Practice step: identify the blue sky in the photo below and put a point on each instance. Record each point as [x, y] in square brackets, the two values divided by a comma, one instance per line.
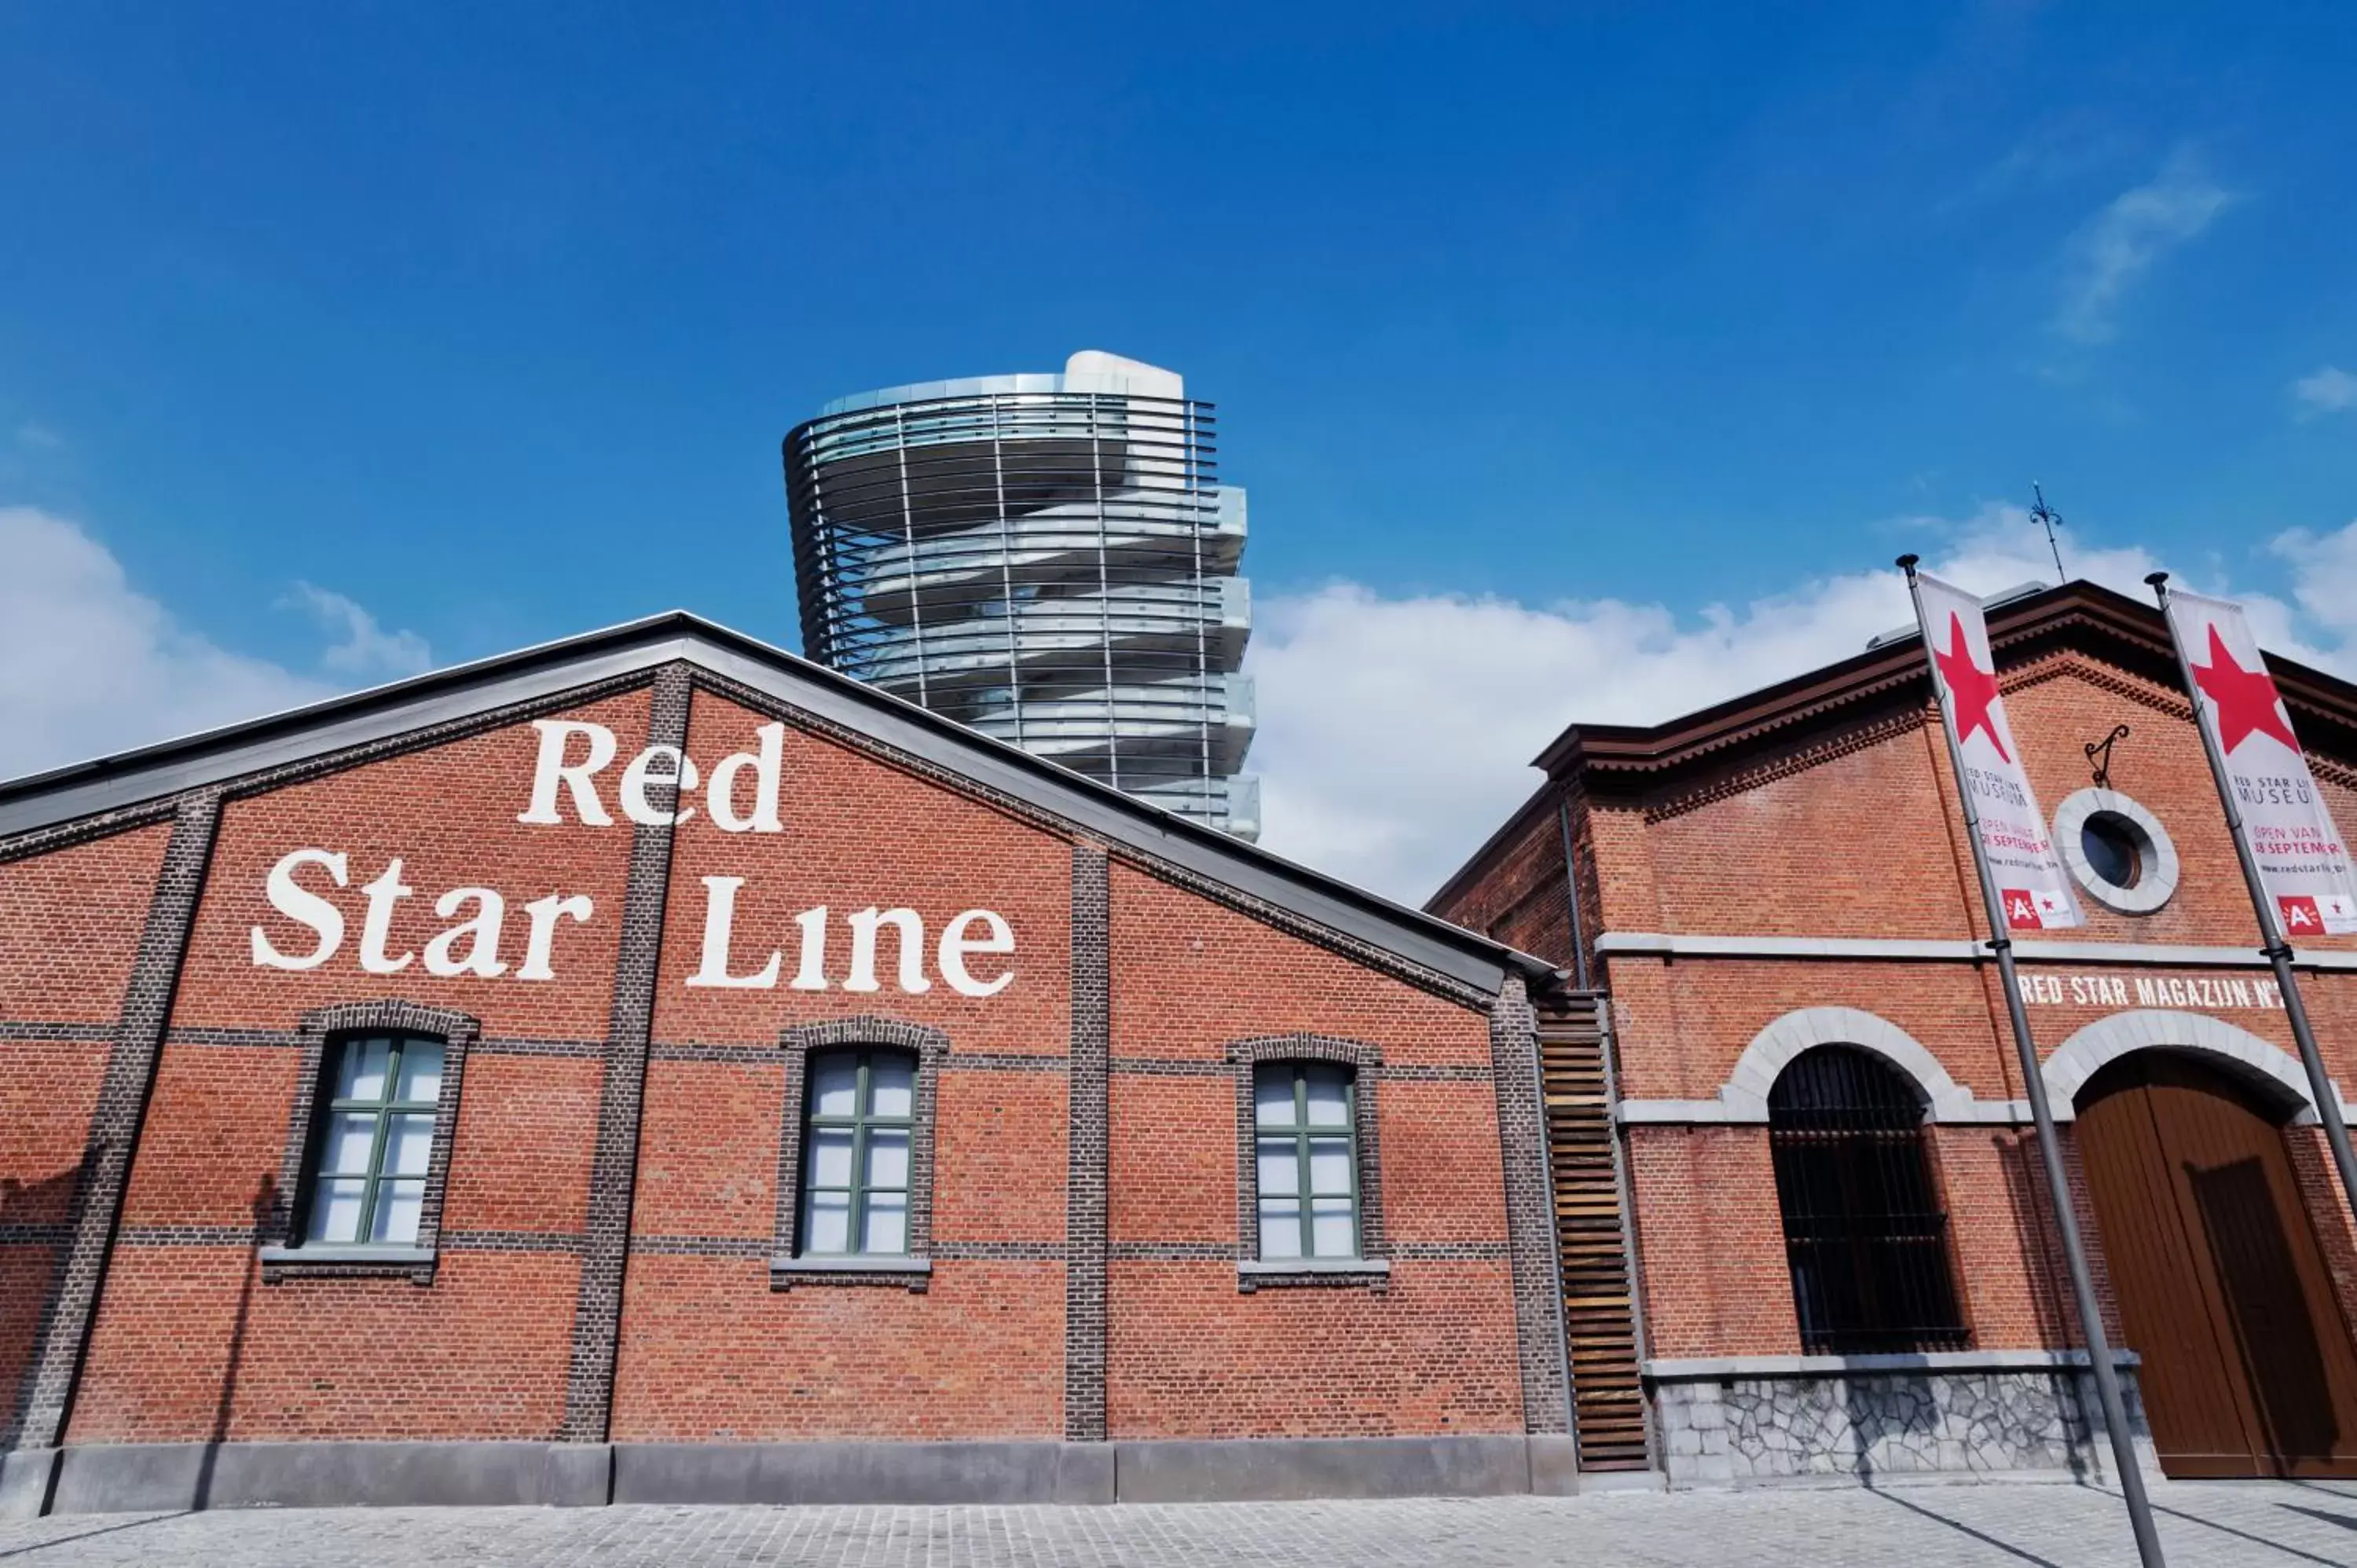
[338, 339]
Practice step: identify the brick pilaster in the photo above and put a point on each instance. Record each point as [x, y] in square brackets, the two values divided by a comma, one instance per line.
[64, 1331]
[1086, 1148]
[1530, 1220]
[613, 1165]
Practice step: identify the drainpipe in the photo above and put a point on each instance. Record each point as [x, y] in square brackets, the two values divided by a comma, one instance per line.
[1571, 893]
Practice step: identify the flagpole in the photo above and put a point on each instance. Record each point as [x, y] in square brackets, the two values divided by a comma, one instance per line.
[2278, 947]
[2050, 1147]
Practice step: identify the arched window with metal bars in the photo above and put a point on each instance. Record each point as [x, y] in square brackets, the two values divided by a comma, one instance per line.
[1864, 1231]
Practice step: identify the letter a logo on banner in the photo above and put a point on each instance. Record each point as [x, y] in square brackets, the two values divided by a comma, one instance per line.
[2032, 886]
[2302, 861]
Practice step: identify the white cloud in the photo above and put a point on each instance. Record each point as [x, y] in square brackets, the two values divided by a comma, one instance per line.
[367, 649]
[2329, 389]
[2071, 148]
[90, 665]
[2324, 581]
[1396, 734]
[2136, 228]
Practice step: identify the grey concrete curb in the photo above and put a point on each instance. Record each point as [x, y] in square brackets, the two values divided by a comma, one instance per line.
[1555, 1465]
[167, 1477]
[850, 1473]
[1263, 1469]
[106, 1477]
[26, 1476]
[578, 1475]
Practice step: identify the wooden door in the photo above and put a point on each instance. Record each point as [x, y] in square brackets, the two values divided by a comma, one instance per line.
[2248, 1370]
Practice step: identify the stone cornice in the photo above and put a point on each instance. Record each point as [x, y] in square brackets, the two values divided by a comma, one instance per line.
[1948, 950]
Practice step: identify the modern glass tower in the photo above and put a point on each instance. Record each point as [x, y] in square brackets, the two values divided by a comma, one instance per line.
[1050, 559]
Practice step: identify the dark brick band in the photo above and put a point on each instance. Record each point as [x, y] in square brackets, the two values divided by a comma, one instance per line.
[289, 1040]
[1530, 1213]
[269, 1039]
[1000, 1251]
[694, 1051]
[33, 1029]
[46, 1399]
[758, 1247]
[1007, 1061]
[767, 1055]
[563, 1241]
[497, 1046]
[613, 1166]
[702, 1246]
[1175, 1252]
[1216, 1067]
[1086, 1175]
[187, 1235]
[1452, 1251]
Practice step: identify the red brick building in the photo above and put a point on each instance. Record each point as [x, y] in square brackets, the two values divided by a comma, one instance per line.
[1839, 1234]
[654, 1067]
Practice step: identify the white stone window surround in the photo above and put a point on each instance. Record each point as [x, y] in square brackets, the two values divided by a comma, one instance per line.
[1743, 1099]
[2159, 872]
[2266, 1067]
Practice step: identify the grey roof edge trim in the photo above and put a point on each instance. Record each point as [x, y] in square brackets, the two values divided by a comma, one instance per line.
[166, 766]
[1425, 940]
[85, 790]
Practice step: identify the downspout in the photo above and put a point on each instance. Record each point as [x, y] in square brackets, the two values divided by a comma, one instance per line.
[1571, 893]
[1632, 1257]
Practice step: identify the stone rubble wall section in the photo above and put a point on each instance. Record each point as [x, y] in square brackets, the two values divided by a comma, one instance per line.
[1993, 1424]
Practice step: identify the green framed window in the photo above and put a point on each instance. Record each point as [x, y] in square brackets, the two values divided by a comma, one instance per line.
[859, 1122]
[1305, 1131]
[373, 1142]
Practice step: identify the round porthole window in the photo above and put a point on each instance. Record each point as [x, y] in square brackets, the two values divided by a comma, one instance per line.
[2116, 850]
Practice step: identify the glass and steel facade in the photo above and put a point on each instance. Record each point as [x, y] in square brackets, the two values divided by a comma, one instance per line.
[1050, 559]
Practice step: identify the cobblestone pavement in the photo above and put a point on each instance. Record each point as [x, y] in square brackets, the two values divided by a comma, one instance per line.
[2266, 1525]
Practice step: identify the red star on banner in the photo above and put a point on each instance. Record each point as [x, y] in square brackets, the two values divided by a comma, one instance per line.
[2248, 703]
[1972, 691]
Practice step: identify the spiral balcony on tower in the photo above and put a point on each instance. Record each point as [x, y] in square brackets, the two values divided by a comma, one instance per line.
[1050, 559]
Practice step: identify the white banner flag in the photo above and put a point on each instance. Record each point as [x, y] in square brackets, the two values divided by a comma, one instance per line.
[2302, 862]
[2033, 887]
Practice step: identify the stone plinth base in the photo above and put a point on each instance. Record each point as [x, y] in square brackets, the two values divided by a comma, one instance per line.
[169, 1477]
[1757, 1420]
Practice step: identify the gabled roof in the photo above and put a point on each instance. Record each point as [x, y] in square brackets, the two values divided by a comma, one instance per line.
[2122, 632]
[153, 772]
[2081, 615]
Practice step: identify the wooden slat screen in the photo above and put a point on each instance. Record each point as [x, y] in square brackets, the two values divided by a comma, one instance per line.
[1600, 1316]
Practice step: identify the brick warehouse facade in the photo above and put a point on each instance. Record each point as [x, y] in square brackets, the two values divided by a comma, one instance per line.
[628, 898]
[1783, 880]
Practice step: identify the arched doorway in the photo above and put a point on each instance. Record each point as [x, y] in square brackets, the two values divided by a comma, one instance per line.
[2248, 1370]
